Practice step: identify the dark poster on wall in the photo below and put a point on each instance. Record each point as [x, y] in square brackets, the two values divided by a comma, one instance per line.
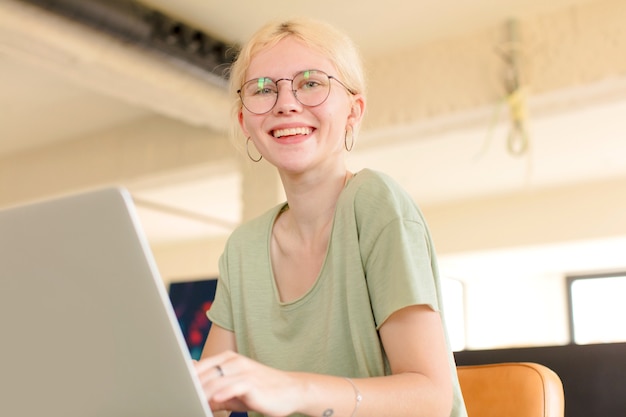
[191, 300]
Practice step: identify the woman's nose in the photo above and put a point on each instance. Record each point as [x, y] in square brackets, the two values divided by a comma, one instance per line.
[286, 101]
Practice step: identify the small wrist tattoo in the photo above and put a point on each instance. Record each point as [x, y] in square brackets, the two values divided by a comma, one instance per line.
[329, 412]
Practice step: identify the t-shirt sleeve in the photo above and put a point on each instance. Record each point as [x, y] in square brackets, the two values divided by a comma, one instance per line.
[398, 270]
[396, 249]
[220, 312]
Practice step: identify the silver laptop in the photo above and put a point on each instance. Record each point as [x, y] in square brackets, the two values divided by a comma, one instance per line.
[86, 323]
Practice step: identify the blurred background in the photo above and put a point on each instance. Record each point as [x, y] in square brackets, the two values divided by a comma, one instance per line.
[504, 120]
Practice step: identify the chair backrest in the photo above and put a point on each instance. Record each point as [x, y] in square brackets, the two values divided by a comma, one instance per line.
[511, 390]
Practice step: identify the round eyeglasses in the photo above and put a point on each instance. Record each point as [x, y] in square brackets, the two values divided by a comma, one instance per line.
[311, 88]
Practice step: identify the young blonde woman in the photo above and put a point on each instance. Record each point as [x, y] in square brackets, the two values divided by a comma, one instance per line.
[328, 304]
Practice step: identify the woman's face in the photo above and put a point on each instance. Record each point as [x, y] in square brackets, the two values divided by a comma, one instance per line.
[293, 137]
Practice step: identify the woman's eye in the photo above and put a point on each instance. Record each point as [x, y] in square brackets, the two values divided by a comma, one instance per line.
[309, 85]
[263, 91]
[261, 87]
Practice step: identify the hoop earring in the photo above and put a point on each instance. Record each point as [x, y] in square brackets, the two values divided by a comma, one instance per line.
[248, 152]
[345, 140]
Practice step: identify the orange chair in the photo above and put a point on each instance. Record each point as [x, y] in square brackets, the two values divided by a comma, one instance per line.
[511, 390]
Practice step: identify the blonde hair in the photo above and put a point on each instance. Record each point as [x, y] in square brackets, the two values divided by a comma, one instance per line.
[320, 36]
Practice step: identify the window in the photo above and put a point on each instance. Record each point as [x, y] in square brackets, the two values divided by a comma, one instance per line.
[454, 312]
[597, 308]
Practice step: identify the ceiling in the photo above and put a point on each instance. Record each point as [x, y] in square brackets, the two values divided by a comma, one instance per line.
[41, 107]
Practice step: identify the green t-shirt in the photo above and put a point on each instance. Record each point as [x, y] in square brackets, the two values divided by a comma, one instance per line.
[380, 258]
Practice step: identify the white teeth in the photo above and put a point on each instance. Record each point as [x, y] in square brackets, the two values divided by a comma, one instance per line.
[293, 131]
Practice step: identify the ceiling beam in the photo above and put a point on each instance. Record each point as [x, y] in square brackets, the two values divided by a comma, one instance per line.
[109, 66]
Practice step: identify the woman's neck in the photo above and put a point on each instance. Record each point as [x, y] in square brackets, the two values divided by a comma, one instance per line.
[312, 203]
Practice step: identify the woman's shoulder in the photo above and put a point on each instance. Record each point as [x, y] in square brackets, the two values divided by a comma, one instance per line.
[372, 176]
[376, 188]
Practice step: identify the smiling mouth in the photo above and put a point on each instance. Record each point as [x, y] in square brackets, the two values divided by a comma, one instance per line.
[292, 132]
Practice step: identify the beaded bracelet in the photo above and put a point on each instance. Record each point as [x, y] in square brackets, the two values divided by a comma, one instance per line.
[358, 396]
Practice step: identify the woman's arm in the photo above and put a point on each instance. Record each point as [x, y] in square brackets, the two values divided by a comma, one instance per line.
[414, 340]
[218, 340]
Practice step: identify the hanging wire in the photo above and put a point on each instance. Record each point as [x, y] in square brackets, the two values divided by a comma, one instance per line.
[518, 140]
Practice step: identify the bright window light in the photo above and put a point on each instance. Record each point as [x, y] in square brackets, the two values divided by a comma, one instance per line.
[597, 309]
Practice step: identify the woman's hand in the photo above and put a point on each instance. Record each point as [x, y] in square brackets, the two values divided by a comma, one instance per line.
[234, 382]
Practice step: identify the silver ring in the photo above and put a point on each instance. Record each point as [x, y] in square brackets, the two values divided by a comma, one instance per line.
[220, 371]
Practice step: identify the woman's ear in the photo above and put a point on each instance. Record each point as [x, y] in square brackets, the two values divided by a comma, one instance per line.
[242, 124]
[357, 110]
